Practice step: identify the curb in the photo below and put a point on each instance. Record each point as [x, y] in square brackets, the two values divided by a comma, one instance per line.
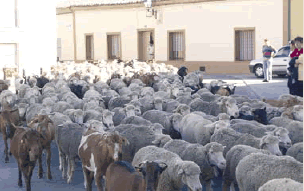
[258, 97]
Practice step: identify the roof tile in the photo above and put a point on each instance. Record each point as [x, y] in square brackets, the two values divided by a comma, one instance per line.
[68, 3]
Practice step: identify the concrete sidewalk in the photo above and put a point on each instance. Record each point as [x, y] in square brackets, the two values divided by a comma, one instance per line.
[251, 86]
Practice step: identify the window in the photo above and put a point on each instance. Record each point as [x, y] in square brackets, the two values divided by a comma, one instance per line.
[58, 49]
[283, 52]
[8, 13]
[114, 46]
[244, 45]
[177, 45]
[89, 47]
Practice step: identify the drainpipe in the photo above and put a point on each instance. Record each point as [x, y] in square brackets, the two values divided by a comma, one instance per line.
[74, 34]
[289, 19]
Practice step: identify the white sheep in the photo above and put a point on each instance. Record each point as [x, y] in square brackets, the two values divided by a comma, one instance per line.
[206, 157]
[139, 136]
[233, 157]
[229, 138]
[283, 184]
[256, 169]
[296, 151]
[177, 174]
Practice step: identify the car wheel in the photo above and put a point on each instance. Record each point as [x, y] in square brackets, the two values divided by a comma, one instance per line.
[281, 75]
[258, 71]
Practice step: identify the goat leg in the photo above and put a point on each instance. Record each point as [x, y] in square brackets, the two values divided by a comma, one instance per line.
[226, 185]
[27, 172]
[40, 169]
[71, 169]
[99, 180]
[89, 177]
[20, 176]
[208, 185]
[63, 164]
[10, 153]
[60, 160]
[48, 161]
[6, 148]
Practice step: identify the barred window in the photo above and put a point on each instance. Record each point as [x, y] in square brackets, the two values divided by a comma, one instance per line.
[89, 47]
[244, 45]
[113, 46]
[58, 49]
[176, 45]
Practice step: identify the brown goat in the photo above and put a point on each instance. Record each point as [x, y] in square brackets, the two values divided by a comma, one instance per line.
[113, 76]
[3, 86]
[148, 79]
[46, 129]
[284, 103]
[223, 92]
[129, 179]
[97, 151]
[26, 148]
[8, 120]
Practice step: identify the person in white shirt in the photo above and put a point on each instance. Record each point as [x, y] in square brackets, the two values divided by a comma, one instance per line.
[268, 54]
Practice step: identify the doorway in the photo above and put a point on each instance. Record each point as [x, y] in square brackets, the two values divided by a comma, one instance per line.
[145, 52]
[89, 47]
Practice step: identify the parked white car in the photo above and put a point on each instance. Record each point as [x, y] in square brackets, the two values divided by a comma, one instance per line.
[279, 64]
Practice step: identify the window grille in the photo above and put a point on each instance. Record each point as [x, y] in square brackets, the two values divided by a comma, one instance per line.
[177, 45]
[113, 46]
[244, 45]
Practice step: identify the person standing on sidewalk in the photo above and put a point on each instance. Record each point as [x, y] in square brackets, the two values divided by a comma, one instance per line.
[268, 54]
[289, 70]
[292, 70]
[298, 85]
[151, 49]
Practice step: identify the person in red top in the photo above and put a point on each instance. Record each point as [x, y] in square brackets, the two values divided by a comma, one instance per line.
[293, 78]
[296, 52]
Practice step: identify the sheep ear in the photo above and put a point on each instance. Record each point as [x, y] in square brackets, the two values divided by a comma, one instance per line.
[180, 171]
[142, 163]
[61, 125]
[139, 169]
[162, 166]
[113, 113]
[268, 133]
[156, 142]
[263, 142]
[125, 141]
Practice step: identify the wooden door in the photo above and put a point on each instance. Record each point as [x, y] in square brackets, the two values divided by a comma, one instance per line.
[143, 45]
[89, 47]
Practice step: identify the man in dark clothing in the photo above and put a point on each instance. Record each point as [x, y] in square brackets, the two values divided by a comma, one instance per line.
[294, 85]
[182, 71]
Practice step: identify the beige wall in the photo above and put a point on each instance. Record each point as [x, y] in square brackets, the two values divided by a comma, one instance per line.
[34, 35]
[209, 28]
[296, 18]
[65, 32]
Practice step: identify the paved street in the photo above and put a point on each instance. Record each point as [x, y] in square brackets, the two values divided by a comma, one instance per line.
[251, 86]
[246, 85]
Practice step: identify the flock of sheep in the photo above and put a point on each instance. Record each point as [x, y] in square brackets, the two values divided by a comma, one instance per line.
[256, 145]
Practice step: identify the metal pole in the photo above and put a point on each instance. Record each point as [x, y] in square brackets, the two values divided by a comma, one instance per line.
[289, 20]
[4, 75]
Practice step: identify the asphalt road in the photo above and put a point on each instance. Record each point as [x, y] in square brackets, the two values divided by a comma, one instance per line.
[9, 175]
[246, 85]
[251, 86]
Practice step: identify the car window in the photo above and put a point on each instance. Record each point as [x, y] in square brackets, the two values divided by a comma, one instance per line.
[283, 52]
